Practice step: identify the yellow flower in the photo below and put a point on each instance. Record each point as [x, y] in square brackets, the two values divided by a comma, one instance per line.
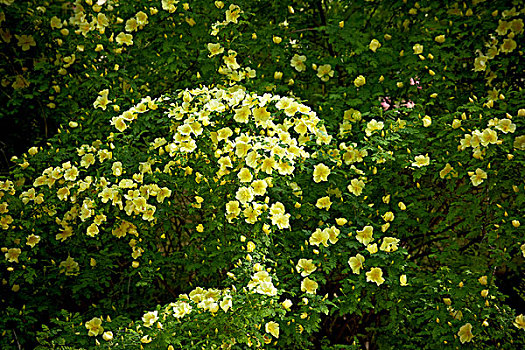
[245, 175]
[305, 267]
[356, 187]
[372, 248]
[356, 263]
[200, 228]
[244, 194]
[94, 327]
[287, 304]
[259, 187]
[272, 328]
[478, 177]
[480, 63]
[341, 221]
[418, 49]
[325, 72]
[508, 45]
[440, 39]
[365, 235]
[131, 25]
[389, 244]
[421, 160]
[25, 41]
[232, 14]
[309, 286]
[13, 254]
[324, 203]
[32, 240]
[519, 322]
[123, 38]
[359, 81]
[445, 171]
[146, 339]
[403, 280]
[374, 45]
[321, 173]
[375, 275]
[372, 126]
[150, 318]
[102, 100]
[55, 22]
[298, 63]
[215, 49]
[427, 121]
[277, 39]
[107, 336]
[388, 216]
[465, 333]
[319, 237]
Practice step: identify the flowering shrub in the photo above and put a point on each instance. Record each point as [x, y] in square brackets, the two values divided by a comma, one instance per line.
[256, 175]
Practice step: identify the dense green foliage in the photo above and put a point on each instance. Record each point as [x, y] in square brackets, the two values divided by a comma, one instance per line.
[292, 174]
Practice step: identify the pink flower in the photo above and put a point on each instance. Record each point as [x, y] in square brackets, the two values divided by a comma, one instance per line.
[385, 103]
[409, 104]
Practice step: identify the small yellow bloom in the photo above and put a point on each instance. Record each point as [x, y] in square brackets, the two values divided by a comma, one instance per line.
[418, 49]
[365, 235]
[421, 160]
[519, 322]
[25, 41]
[359, 81]
[465, 333]
[309, 286]
[321, 173]
[324, 203]
[356, 263]
[374, 45]
[375, 275]
[272, 328]
[478, 177]
[94, 327]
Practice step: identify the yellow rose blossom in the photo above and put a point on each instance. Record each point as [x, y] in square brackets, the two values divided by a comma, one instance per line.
[418, 49]
[359, 81]
[94, 327]
[445, 171]
[321, 173]
[325, 72]
[364, 236]
[372, 248]
[465, 333]
[519, 322]
[25, 41]
[356, 187]
[272, 328]
[319, 237]
[13, 254]
[421, 160]
[32, 240]
[375, 275]
[150, 318]
[389, 244]
[356, 263]
[309, 286]
[324, 203]
[124, 39]
[477, 177]
[305, 267]
[403, 280]
[298, 63]
[341, 221]
[374, 45]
